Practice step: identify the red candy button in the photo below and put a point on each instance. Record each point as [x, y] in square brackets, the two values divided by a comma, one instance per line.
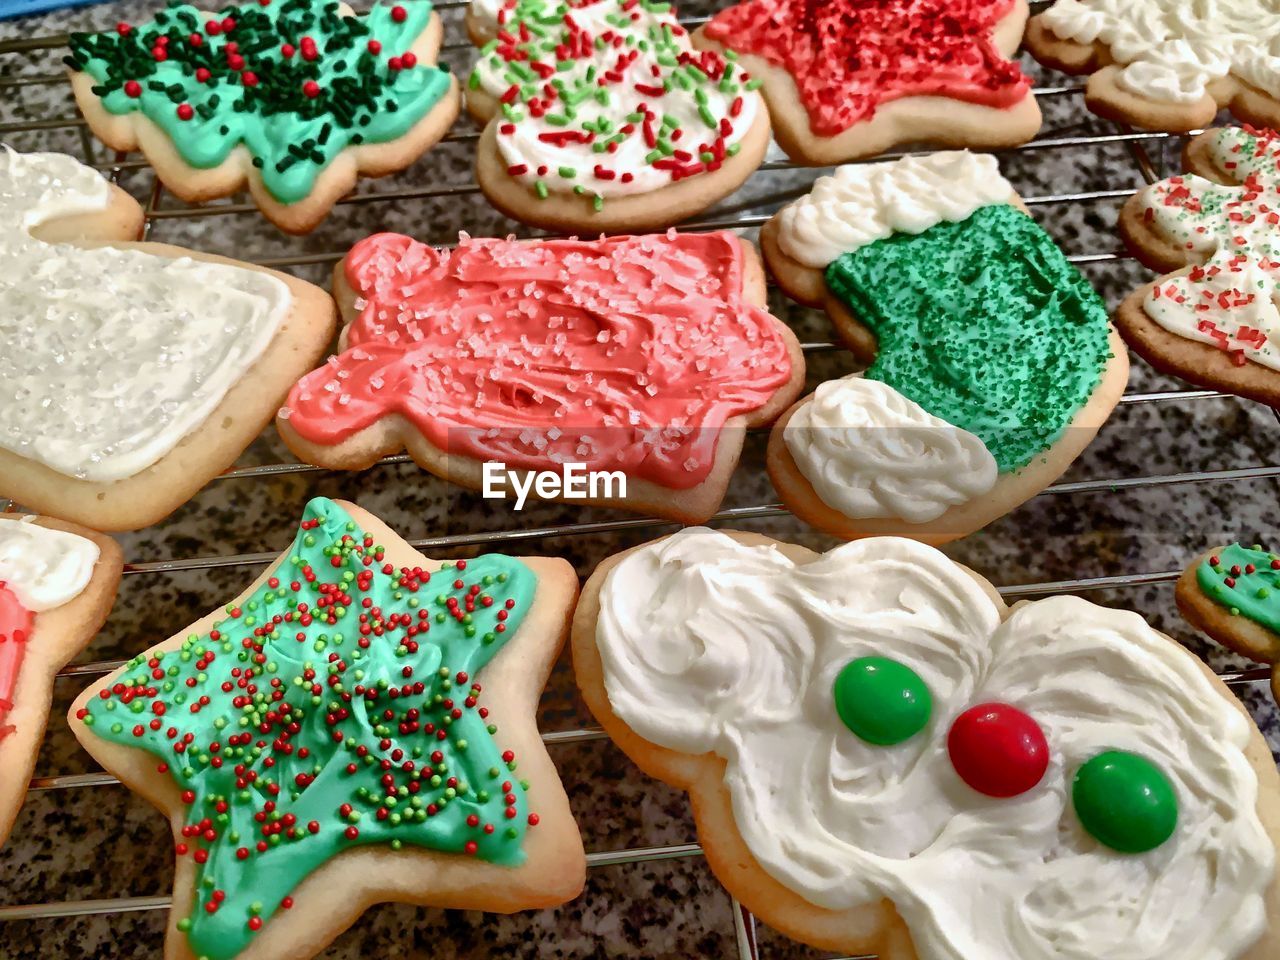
[998, 750]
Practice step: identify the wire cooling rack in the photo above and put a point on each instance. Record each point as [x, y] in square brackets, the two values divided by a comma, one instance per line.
[743, 216]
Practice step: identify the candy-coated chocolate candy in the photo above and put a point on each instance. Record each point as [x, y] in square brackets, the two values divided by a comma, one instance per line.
[998, 750]
[1125, 801]
[882, 701]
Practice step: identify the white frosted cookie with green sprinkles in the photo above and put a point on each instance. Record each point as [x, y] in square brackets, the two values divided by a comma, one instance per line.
[600, 115]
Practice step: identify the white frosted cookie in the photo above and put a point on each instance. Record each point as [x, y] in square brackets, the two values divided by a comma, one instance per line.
[1167, 64]
[884, 759]
[133, 372]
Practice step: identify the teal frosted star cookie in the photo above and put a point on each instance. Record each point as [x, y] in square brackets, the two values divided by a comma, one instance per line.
[356, 727]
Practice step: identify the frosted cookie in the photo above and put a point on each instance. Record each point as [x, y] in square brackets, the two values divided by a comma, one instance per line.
[600, 115]
[1232, 593]
[1215, 321]
[1167, 64]
[884, 759]
[356, 727]
[852, 78]
[173, 360]
[992, 364]
[57, 584]
[295, 98]
[646, 357]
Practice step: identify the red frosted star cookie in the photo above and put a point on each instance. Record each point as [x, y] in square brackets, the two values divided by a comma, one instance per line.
[645, 357]
[852, 78]
[883, 759]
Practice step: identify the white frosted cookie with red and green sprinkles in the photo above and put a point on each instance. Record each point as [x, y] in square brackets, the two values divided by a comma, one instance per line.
[1213, 318]
[601, 115]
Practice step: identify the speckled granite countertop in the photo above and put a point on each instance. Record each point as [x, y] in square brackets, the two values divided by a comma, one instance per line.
[101, 843]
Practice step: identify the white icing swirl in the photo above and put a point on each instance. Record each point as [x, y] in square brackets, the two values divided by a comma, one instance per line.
[868, 451]
[145, 346]
[710, 645]
[44, 568]
[1233, 303]
[864, 202]
[1171, 50]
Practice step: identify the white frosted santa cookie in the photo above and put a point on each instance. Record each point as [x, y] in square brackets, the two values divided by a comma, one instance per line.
[57, 584]
[882, 758]
[846, 79]
[991, 361]
[1215, 320]
[1167, 64]
[601, 116]
[131, 373]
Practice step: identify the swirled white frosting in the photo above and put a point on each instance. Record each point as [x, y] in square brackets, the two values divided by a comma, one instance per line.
[44, 568]
[1171, 50]
[112, 356]
[868, 451]
[711, 645]
[864, 202]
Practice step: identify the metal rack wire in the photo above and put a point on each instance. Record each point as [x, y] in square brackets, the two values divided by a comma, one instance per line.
[159, 208]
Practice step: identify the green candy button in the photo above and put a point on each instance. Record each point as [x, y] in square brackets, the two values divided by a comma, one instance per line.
[881, 700]
[1125, 801]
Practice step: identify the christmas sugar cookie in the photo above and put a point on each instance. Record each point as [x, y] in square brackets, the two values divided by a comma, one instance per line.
[852, 78]
[1214, 321]
[645, 357]
[992, 364]
[175, 360]
[1232, 593]
[600, 115]
[296, 98]
[912, 770]
[356, 727]
[57, 584]
[1167, 64]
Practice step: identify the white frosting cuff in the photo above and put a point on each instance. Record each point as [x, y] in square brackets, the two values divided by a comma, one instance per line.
[146, 347]
[862, 203]
[44, 568]
[868, 451]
